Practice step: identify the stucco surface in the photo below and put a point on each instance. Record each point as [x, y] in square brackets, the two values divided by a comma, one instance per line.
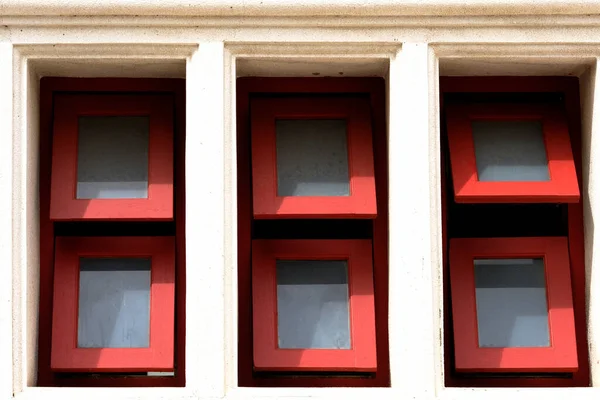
[210, 43]
[291, 7]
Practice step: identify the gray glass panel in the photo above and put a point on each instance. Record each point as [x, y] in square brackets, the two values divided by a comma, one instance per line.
[312, 158]
[510, 151]
[114, 302]
[312, 305]
[112, 158]
[511, 303]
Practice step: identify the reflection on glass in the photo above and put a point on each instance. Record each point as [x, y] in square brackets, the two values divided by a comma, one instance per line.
[510, 151]
[312, 304]
[112, 158]
[511, 303]
[312, 158]
[114, 302]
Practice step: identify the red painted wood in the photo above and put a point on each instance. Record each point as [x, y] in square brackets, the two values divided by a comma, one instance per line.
[180, 247]
[244, 229]
[569, 88]
[48, 88]
[374, 90]
[447, 323]
[562, 186]
[561, 355]
[380, 232]
[66, 356]
[507, 84]
[159, 205]
[361, 203]
[267, 355]
[44, 374]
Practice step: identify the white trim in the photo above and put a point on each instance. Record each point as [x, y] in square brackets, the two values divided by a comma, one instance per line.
[281, 21]
[205, 222]
[590, 193]
[231, 223]
[304, 7]
[30, 63]
[211, 334]
[519, 393]
[413, 242]
[6, 232]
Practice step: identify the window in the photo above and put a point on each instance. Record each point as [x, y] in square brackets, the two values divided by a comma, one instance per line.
[111, 218]
[510, 296]
[513, 233]
[313, 305]
[114, 304]
[312, 158]
[510, 153]
[112, 157]
[312, 232]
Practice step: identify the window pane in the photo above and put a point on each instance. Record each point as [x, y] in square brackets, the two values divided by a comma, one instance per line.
[112, 158]
[312, 158]
[114, 302]
[510, 151]
[511, 303]
[312, 305]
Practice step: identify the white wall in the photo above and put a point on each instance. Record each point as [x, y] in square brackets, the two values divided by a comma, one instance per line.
[408, 42]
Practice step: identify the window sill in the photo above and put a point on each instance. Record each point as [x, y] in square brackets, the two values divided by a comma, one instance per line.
[88, 393]
[39, 393]
[580, 393]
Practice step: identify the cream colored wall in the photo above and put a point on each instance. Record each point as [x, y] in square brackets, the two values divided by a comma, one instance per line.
[6, 241]
[408, 42]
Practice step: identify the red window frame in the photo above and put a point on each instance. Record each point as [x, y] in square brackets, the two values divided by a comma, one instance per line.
[542, 88]
[66, 356]
[372, 89]
[562, 186]
[361, 203]
[68, 108]
[561, 355]
[362, 354]
[51, 87]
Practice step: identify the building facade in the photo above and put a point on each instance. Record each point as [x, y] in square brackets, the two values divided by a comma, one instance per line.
[408, 57]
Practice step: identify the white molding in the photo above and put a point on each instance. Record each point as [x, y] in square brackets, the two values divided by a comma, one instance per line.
[281, 21]
[290, 49]
[298, 8]
[212, 68]
[231, 222]
[414, 231]
[519, 393]
[516, 59]
[590, 193]
[30, 63]
[70, 393]
[6, 225]
[318, 394]
[205, 221]
[107, 50]
[294, 59]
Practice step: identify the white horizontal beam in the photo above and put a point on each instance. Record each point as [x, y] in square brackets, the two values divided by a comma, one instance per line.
[293, 7]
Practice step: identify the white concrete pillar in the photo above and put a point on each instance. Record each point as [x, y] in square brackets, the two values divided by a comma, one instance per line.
[590, 113]
[205, 222]
[23, 149]
[6, 247]
[414, 217]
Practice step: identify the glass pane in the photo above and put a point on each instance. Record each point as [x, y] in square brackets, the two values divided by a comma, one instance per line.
[312, 305]
[511, 303]
[112, 158]
[312, 158]
[510, 151]
[114, 302]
